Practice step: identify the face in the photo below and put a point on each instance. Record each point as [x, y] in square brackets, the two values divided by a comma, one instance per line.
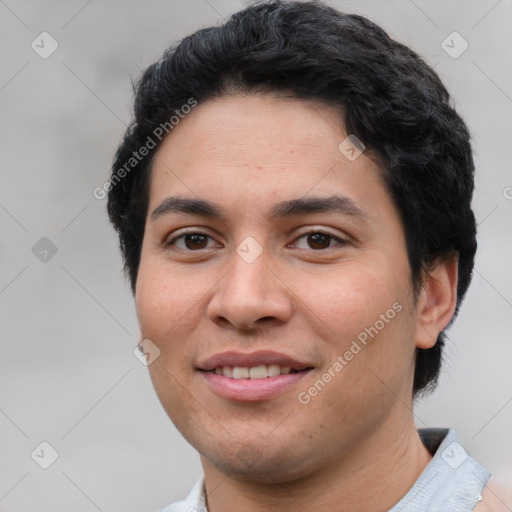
[275, 283]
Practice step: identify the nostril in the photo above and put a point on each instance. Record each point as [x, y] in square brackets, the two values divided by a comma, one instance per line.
[240, 327]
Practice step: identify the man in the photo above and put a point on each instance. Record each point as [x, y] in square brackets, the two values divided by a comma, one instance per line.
[293, 200]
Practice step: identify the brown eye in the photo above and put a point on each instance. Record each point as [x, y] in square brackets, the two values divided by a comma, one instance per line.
[318, 240]
[195, 241]
[191, 241]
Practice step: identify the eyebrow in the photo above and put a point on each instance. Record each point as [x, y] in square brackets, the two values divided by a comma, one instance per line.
[306, 205]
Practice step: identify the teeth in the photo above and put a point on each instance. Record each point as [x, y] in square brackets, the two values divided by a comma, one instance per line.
[240, 373]
[255, 372]
[258, 372]
[273, 370]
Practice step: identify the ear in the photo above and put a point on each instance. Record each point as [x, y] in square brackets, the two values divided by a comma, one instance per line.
[437, 301]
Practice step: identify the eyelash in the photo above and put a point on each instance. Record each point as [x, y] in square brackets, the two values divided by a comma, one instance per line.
[331, 235]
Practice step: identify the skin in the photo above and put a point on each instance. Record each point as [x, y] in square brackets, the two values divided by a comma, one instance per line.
[247, 153]
[496, 497]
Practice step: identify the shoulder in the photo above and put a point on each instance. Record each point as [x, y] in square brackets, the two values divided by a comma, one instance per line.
[496, 497]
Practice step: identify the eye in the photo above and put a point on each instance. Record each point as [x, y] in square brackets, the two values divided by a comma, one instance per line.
[318, 240]
[192, 241]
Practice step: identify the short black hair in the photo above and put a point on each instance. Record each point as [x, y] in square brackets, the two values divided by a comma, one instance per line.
[390, 98]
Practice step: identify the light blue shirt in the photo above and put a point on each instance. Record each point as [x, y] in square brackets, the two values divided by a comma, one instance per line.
[452, 482]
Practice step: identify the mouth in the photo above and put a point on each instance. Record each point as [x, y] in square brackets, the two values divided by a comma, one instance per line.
[262, 371]
[249, 377]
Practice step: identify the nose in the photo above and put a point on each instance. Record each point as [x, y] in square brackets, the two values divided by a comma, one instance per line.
[250, 296]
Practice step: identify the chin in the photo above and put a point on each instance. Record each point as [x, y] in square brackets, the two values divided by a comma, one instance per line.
[262, 463]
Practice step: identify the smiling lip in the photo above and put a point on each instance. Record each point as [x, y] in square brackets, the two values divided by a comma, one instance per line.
[251, 389]
[233, 358]
[248, 390]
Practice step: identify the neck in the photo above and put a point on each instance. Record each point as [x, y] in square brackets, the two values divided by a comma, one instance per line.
[373, 477]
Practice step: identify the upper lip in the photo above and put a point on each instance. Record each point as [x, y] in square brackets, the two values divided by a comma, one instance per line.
[233, 358]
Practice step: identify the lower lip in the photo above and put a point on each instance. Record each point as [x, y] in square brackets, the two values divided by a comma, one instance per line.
[252, 389]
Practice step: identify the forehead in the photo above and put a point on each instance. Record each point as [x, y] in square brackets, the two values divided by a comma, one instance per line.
[259, 149]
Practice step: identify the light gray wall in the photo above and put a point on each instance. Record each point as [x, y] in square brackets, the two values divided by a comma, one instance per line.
[68, 328]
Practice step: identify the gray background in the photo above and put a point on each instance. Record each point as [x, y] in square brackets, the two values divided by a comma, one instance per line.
[68, 326]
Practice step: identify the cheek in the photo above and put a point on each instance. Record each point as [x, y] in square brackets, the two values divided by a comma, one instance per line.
[348, 299]
[364, 315]
[170, 308]
[164, 303]
[166, 316]
[152, 298]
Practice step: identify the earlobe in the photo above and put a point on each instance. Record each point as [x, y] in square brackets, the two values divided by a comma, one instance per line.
[437, 301]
